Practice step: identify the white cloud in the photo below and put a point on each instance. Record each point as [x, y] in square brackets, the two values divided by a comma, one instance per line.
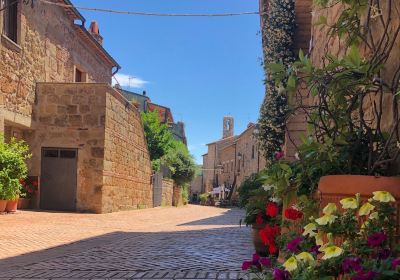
[129, 81]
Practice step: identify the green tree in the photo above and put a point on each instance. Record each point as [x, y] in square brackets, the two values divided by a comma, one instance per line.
[159, 138]
[12, 167]
[181, 163]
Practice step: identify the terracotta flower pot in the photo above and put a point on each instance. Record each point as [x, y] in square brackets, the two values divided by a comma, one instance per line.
[335, 187]
[3, 205]
[24, 203]
[259, 246]
[12, 206]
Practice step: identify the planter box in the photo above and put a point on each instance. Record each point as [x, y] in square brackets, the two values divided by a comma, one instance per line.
[336, 187]
[24, 203]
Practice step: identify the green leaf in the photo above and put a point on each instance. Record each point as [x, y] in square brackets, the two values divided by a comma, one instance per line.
[291, 83]
[354, 56]
[322, 21]
[301, 55]
[275, 67]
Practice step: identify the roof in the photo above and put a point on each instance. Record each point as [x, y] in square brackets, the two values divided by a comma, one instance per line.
[93, 42]
[74, 14]
[164, 113]
[249, 127]
[134, 94]
[72, 11]
[222, 140]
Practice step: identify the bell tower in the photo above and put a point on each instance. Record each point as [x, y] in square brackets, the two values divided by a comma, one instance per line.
[228, 130]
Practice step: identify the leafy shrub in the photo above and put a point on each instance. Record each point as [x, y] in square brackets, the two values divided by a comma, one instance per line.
[254, 182]
[12, 167]
[180, 162]
[203, 197]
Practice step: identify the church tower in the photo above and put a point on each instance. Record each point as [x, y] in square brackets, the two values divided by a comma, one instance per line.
[228, 127]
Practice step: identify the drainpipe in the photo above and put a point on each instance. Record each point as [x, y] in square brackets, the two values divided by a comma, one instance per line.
[116, 70]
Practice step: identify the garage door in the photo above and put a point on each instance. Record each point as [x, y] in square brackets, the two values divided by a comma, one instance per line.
[58, 179]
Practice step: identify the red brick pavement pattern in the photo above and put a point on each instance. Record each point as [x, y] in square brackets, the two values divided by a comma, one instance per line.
[191, 242]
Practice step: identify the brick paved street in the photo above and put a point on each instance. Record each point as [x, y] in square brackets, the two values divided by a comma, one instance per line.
[192, 242]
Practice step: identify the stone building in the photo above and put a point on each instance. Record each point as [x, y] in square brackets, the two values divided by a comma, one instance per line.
[88, 147]
[231, 160]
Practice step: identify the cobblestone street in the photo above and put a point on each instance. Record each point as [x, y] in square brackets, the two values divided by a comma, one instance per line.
[192, 242]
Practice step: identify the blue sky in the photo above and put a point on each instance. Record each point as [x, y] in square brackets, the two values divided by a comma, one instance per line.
[202, 68]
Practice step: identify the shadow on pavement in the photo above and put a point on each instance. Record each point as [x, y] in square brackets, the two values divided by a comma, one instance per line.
[232, 217]
[221, 249]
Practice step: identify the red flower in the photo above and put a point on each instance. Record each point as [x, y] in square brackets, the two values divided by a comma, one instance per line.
[259, 219]
[35, 183]
[271, 209]
[293, 214]
[268, 235]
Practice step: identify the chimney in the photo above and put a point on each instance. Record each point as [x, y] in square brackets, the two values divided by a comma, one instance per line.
[94, 30]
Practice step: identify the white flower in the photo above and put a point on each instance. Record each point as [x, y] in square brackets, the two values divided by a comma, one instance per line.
[268, 187]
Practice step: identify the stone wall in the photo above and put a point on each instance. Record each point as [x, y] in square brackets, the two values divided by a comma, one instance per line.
[177, 199]
[114, 169]
[167, 192]
[48, 50]
[252, 160]
[127, 167]
[196, 185]
[72, 116]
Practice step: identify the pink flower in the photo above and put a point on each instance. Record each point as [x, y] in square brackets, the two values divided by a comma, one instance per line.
[293, 245]
[395, 263]
[279, 155]
[376, 239]
[246, 265]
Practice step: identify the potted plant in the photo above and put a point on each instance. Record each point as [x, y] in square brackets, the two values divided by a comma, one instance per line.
[3, 201]
[263, 215]
[13, 169]
[28, 190]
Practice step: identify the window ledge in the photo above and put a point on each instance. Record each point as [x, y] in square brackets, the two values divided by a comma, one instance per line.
[10, 44]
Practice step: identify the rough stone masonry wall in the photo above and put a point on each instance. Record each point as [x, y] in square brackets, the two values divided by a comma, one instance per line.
[72, 116]
[244, 145]
[167, 192]
[48, 49]
[127, 167]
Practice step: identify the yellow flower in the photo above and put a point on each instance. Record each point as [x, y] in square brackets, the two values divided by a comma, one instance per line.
[326, 219]
[383, 196]
[309, 230]
[290, 264]
[318, 238]
[331, 252]
[349, 203]
[329, 208]
[366, 209]
[374, 216]
[305, 257]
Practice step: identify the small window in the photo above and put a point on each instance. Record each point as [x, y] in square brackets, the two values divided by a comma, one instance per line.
[51, 153]
[67, 154]
[11, 19]
[252, 152]
[80, 76]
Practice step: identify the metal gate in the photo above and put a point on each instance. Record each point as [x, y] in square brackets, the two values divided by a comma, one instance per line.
[58, 179]
[157, 189]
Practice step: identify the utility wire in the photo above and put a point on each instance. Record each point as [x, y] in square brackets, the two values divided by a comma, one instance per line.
[148, 14]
